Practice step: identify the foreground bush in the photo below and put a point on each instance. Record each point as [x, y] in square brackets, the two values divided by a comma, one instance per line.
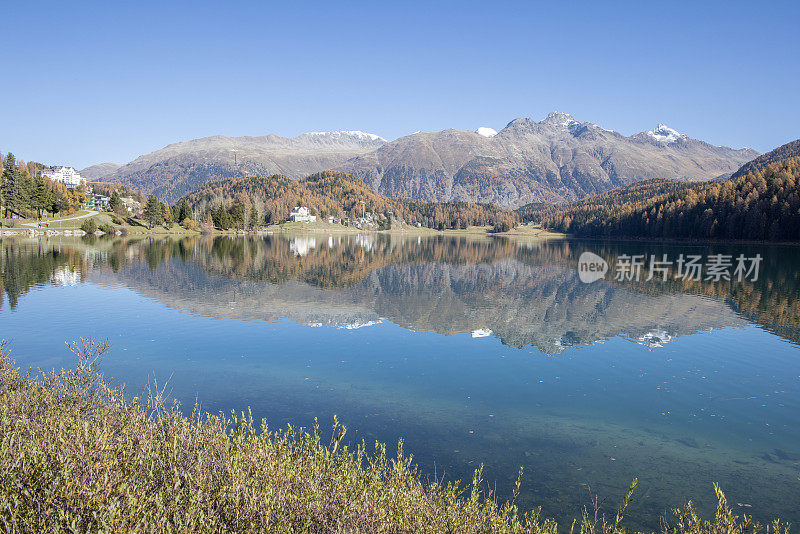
[89, 225]
[107, 229]
[76, 456]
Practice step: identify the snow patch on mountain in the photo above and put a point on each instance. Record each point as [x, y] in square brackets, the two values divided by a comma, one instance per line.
[358, 134]
[356, 325]
[665, 134]
[485, 131]
[482, 332]
[559, 118]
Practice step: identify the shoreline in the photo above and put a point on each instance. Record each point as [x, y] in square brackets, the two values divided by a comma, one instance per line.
[522, 231]
[286, 228]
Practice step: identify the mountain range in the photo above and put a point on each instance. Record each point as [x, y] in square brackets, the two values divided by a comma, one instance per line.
[553, 160]
[759, 202]
[181, 168]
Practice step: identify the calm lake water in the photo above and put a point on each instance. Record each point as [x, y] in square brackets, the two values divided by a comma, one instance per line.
[473, 350]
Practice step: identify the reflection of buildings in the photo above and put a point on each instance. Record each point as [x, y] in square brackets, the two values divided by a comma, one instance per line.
[367, 242]
[65, 276]
[302, 245]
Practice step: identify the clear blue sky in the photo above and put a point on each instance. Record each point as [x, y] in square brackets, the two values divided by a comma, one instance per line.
[85, 83]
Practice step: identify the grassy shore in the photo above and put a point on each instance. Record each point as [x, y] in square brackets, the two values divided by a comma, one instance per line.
[138, 227]
[408, 230]
[46, 218]
[77, 456]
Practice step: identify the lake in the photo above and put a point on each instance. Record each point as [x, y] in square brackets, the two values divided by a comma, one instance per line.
[473, 350]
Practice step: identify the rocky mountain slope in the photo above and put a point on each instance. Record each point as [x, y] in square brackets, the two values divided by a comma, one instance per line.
[100, 172]
[183, 167]
[761, 205]
[556, 159]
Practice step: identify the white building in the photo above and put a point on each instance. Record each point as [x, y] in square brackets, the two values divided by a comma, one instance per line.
[65, 175]
[301, 214]
[97, 202]
[132, 205]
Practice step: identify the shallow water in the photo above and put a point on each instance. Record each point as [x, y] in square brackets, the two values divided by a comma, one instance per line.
[473, 350]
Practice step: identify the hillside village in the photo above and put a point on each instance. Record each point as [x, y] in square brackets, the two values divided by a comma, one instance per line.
[102, 197]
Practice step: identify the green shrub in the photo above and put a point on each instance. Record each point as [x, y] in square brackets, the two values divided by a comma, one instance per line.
[116, 220]
[500, 227]
[89, 225]
[189, 224]
[107, 228]
[76, 456]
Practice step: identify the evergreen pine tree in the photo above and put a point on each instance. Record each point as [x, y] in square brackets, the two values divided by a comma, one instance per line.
[237, 214]
[254, 221]
[40, 199]
[185, 211]
[153, 211]
[9, 194]
[26, 189]
[2, 188]
[115, 202]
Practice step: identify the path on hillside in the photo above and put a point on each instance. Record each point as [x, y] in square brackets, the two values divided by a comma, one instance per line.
[39, 224]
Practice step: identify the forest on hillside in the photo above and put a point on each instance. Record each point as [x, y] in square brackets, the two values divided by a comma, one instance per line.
[782, 153]
[760, 205]
[605, 205]
[232, 202]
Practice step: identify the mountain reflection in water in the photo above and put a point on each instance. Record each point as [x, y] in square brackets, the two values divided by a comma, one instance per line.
[524, 293]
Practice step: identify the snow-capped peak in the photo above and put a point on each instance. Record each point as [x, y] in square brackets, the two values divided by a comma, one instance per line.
[350, 133]
[486, 131]
[665, 134]
[559, 118]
